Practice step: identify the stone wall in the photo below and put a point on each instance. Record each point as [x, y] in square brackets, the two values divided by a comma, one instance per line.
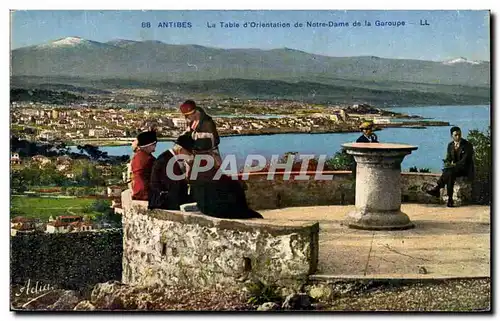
[71, 260]
[262, 193]
[279, 193]
[190, 249]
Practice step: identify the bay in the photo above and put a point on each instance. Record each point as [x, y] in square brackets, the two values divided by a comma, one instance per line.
[431, 141]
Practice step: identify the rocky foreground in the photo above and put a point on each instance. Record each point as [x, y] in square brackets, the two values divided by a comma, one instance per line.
[452, 295]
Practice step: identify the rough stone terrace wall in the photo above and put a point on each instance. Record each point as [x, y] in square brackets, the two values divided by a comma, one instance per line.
[178, 248]
[279, 193]
[70, 260]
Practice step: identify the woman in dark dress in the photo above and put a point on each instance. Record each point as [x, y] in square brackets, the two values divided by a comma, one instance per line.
[223, 198]
[218, 195]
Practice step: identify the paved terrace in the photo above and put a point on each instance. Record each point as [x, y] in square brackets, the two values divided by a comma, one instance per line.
[446, 242]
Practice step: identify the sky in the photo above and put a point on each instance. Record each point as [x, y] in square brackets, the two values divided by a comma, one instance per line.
[443, 35]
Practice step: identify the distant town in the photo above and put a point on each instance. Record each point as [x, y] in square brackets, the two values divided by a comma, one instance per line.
[108, 122]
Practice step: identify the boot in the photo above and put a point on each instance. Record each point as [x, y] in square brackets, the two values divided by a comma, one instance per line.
[435, 191]
[450, 202]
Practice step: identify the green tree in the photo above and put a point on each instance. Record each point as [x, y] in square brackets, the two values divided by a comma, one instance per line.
[101, 206]
[50, 176]
[18, 182]
[482, 162]
[340, 161]
[31, 175]
[87, 174]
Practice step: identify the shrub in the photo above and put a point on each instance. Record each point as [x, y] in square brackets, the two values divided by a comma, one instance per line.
[260, 293]
[482, 162]
[341, 161]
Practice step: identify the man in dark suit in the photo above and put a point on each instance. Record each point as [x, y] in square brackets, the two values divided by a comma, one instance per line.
[168, 184]
[368, 135]
[459, 162]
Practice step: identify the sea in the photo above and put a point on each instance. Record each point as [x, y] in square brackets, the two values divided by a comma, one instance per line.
[431, 141]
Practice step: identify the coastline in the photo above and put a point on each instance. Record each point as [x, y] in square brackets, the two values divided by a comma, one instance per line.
[103, 142]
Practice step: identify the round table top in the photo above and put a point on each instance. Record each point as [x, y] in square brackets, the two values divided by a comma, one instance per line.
[379, 146]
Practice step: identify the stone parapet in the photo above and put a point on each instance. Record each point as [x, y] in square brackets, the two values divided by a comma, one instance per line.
[191, 249]
[262, 193]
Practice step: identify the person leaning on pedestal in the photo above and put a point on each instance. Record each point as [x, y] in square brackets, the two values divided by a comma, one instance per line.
[459, 162]
[203, 131]
[368, 135]
[142, 165]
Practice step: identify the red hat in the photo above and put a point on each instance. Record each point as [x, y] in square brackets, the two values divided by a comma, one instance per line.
[188, 107]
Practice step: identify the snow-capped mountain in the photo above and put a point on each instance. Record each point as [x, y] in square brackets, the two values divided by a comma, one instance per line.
[121, 42]
[461, 60]
[153, 59]
[69, 42]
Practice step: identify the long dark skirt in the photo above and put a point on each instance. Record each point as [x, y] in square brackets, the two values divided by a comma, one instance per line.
[224, 198]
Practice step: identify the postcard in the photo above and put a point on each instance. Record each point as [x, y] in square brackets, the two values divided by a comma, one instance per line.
[250, 160]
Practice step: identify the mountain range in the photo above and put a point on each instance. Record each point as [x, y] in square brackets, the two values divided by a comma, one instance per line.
[158, 61]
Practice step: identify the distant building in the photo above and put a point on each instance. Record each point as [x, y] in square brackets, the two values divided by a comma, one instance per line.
[97, 133]
[179, 122]
[68, 224]
[381, 120]
[114, 191]
[14, 159]
[334, 118]
[256, 126]
[43, 160]
[64, 160]
[25, 225]
[48, 135]
[343, 115]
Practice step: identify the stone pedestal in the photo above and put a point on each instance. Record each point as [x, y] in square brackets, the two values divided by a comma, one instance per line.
[378, 186]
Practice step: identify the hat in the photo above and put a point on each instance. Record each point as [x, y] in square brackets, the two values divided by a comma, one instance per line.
[188, 107]
[185, 141]
[366, 125]
[145, 139]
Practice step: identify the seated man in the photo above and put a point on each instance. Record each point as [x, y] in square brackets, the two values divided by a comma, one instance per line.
[458, 163]
[142, 164]
[168, 190]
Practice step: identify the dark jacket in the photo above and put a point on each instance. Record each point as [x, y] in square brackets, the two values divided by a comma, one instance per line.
[205, 134]
[223, 198]
[141, 166]
[165, 192]
[463, 158]
[364, 139]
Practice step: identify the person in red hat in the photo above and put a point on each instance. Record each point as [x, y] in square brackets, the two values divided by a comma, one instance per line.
[142, 165]
[203, 130]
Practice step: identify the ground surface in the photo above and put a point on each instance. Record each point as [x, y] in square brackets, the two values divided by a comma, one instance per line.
[44, 207]
[451, 295]
[446, 242]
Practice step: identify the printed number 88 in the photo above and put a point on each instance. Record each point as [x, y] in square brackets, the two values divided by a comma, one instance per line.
[146, 25]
